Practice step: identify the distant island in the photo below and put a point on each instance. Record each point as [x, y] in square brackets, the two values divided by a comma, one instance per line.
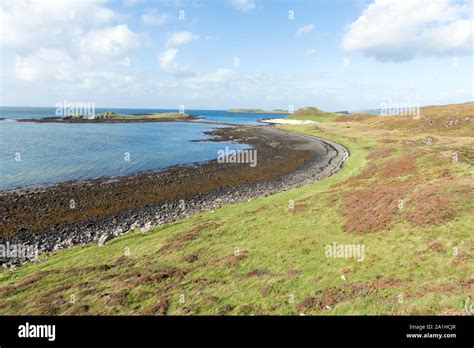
[258, 111]
[112, 117]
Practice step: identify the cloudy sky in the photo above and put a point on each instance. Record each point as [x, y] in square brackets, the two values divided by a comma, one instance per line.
[217, 54]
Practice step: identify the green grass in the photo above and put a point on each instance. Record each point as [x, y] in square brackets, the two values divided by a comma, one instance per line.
[113, 115]
[313, 114]
[244, 253]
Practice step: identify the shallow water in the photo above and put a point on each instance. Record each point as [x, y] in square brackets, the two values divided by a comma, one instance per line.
[34, 154]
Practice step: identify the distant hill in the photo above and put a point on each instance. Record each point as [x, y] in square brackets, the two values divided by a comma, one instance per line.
[367, 111]
[314, 114]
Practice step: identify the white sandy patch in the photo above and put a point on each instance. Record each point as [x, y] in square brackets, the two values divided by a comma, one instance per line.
[286, 121]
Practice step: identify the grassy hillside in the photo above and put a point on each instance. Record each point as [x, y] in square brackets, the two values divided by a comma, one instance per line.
[313, 114]
[400, 195]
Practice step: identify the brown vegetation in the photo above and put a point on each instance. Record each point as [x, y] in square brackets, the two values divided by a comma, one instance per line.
[429, 206]
[371, 209]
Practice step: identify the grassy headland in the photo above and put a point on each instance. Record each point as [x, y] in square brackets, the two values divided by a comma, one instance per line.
[402, 194]
[313, 114]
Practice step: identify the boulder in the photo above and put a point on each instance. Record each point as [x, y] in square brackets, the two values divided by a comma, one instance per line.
[104, 238]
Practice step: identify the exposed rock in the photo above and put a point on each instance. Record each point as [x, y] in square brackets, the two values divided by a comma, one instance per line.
[104, 238]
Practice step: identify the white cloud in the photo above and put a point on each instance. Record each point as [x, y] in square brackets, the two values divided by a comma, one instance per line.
[305, 29]
[218, 77]
[25, 70]
[103, 15]
[180, 38]
[103, 80]
[400, 29]
[168, 64]
[166, 59]
[63, 45]
[44, 64]
[243, 5]
[25, 24]
[80, 30]
[130, 3]
[152, 17]
[53, 66]
[311, 51]
[110, 41]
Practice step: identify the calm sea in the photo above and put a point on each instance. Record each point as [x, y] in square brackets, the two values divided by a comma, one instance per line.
[33, 154]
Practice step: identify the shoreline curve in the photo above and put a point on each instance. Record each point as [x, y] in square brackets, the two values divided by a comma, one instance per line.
[320, 158]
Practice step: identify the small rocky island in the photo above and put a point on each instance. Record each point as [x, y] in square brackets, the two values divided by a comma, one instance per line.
[112, 117]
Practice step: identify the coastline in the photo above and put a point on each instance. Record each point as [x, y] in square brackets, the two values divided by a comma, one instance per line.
[186, 118]
[105, 208]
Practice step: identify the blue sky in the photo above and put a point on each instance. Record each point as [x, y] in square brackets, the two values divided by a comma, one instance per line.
[336, 55]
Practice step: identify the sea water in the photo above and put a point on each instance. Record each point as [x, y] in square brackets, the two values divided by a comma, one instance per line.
[33, 154]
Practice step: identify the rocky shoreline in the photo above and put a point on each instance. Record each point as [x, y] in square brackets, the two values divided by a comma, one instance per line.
[95, 211]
